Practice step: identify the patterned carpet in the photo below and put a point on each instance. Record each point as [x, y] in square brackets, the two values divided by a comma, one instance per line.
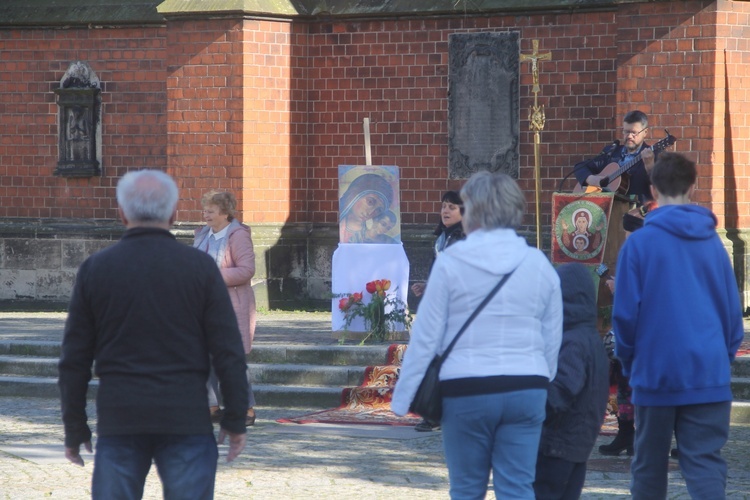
[370, 402]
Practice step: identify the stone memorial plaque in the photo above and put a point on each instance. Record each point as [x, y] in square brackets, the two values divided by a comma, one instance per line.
[483, 103]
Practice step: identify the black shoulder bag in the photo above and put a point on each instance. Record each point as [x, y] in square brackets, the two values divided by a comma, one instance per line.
[428, 401]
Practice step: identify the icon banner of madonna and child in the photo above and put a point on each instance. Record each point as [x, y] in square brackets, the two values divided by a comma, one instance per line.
[579, 227]
[369, 204]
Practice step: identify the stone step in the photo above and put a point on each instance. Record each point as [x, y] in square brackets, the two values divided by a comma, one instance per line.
[36, 387]
[306, 375]
[281, 374]
[295, 354]
[28, 366]
[741, 388]
[297, 396]
[30, 348]
[265, 395]
[296, 375]
[741, 367]
[740, 412]
[337, 355]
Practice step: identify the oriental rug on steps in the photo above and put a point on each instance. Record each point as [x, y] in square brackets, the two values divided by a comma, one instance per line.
[370, 402]
[744, 349]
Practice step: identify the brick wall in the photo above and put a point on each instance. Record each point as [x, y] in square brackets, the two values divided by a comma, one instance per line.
[234, 122]
[130, 63]
[396, 74]
[684, 63]
[275, 181]
[204, 104]
[270, 108]
[729, 180]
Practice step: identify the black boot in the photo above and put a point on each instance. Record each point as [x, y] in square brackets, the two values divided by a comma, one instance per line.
[623, 440]
[425, 426]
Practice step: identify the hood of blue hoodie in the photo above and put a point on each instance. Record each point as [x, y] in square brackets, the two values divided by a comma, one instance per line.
[497, 251]
[690, 222]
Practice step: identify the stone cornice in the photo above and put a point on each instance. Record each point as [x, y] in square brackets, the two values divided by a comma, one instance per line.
[331, 9]
[90, 13]
[101, 13]
[285, 8]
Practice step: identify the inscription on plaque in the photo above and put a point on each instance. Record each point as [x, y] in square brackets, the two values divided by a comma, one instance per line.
[483, 103]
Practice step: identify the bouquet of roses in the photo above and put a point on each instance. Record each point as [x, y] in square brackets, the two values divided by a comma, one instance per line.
[381, 313]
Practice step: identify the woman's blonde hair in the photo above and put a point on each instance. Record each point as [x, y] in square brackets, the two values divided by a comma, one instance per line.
[226, 202]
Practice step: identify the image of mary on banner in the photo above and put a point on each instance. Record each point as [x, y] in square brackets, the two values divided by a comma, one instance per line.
[369, 204]
[579, 227]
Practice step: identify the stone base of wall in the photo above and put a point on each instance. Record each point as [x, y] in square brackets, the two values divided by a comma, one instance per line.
[39, 260]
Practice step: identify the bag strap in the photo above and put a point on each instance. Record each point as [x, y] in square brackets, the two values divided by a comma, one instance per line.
[474, 315]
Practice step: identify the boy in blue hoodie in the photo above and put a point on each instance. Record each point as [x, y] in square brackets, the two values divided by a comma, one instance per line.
[678, 325]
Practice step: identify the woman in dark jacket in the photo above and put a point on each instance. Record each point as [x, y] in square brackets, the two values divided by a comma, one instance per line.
[448, 231]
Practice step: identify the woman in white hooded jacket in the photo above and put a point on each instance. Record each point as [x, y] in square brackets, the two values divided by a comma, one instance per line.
[495, 380]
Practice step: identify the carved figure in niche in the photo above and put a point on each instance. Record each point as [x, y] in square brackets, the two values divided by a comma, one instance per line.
[78, 134]
[79, 118]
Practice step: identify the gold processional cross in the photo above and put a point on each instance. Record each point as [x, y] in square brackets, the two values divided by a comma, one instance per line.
[536, 123]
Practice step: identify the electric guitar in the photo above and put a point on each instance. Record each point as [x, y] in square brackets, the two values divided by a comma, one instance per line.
[612, 174]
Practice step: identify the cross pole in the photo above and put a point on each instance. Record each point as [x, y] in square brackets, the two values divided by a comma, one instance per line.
[368, 150]
[536, 123]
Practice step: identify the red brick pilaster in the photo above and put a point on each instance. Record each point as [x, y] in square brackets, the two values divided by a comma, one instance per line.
[684, 64]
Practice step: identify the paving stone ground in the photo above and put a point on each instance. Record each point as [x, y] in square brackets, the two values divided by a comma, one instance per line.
[286, 461]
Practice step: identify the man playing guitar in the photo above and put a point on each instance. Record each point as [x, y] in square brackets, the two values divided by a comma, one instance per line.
[634, 131]
[590, 174]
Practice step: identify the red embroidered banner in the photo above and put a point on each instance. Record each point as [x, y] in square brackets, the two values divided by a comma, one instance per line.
[579, 227]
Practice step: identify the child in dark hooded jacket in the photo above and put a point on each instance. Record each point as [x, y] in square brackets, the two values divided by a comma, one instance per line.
[577, 397]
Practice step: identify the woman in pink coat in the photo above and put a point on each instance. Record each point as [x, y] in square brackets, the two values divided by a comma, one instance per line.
[228, 241]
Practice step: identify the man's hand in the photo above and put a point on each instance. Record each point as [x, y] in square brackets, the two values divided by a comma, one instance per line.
[611, 284]
[236, 443]
[647, 155]
[418, 288]
[74, 454]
